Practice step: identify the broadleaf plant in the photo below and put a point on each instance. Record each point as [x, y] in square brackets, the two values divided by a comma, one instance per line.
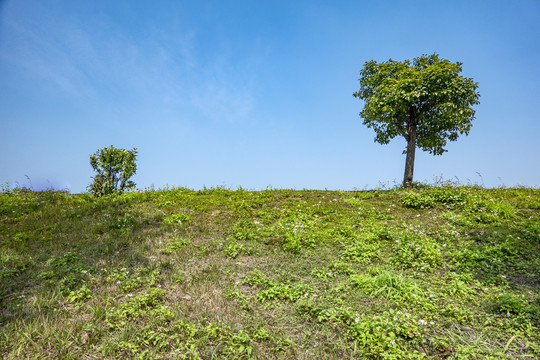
[427, 102]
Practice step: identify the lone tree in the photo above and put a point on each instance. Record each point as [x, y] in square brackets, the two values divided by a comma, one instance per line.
[114, 167]
[427, 102]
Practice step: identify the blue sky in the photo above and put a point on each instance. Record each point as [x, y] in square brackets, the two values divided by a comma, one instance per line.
[255, 93]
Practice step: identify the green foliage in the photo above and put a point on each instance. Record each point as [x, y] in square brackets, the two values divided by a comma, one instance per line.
[177, 219]
[130, 281]
[417, 252]
[8, 273]
[13, 266]
[417, 200]
[81, 295]
[383, 336]
[323, 273]
[144, 304]
[431, 196]
[66, 273]
[233, 249]
[285, 292]
[175, 245]
[429, 87]
[387, 284]
[493, 257]
[125, 221]
[292, 242]
[21, 237]
[62, 261]
[244, 230]
[295, 231]
[427, 102]
[460, 314]
[316, 274]
[361, 252]
[485, 211]
[258, 279]
[240, 299]
[18, 202]
[114, 168]
[461, 285]
[333, 269]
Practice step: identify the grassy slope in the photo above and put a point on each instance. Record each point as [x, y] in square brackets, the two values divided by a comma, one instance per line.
[440, 272]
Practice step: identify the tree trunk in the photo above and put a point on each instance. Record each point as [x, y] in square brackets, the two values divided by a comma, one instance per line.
[411, 147]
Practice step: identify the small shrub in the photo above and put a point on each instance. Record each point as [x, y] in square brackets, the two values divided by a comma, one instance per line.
[114, 168]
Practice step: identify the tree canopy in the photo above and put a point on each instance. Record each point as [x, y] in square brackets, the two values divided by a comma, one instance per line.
[427, 102]
[114, 168]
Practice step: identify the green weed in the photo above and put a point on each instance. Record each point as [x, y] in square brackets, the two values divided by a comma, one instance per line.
[177, 219]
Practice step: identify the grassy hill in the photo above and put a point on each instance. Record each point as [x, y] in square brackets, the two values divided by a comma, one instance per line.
[430, 273]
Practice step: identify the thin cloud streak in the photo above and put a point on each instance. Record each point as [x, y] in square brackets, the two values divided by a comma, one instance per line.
[78, 60]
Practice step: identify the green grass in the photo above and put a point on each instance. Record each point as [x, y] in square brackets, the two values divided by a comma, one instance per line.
[430, 273]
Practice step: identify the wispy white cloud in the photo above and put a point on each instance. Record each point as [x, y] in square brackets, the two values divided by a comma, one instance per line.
[96, 60]
[39, 56]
